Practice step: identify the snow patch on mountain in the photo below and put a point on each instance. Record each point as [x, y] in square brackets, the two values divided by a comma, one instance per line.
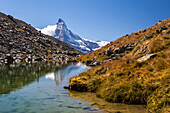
[49, 30]
[99, 42]
[61, 32]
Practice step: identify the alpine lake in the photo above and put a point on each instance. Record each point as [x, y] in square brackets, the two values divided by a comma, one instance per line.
[38, 88]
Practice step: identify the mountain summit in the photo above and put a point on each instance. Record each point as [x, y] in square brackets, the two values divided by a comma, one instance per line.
[61, 32]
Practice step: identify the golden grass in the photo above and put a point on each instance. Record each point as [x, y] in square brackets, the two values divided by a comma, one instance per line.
[127, 80]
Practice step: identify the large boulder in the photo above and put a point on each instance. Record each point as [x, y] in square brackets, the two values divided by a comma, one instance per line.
[38, 59]
[95, 64]
[148, 36]
[9, 59]
[129, 48]
[87, 62]
[146, 57]
[117, 50]
[109, 52]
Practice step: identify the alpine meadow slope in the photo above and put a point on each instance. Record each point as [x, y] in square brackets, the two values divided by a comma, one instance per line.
[135, 69]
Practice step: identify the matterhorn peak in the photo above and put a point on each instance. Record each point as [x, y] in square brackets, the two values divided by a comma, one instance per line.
[60, 22]
[61, 32]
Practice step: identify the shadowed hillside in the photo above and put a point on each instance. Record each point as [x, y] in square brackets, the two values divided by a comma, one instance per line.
[20, 42]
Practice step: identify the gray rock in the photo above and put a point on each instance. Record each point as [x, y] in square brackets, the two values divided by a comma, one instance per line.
[116, 50]
[114, 58]
[113, 45]
[9, 59]
[143, 39]
[164, 28]
[146, 57]
[136, 42]
[148, 37]
[87, 62]
[119, 50]
[129, 48]
[160, 22]
[17, 60]
[109, 52]
[59, 52]
[166, 31]
[95, 64]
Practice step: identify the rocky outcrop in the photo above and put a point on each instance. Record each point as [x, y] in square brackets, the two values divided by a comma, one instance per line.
[113, 54]
[20, 42]
[119, 52]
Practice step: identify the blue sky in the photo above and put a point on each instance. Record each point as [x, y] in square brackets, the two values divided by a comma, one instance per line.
[91, 19]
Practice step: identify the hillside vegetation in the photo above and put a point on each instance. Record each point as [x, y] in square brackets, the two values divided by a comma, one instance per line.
[135, 69]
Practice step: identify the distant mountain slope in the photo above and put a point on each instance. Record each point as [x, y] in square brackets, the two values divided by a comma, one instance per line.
[61, 32]
[20, 42]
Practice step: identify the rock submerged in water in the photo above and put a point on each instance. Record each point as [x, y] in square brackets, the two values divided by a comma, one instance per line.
[66, 87]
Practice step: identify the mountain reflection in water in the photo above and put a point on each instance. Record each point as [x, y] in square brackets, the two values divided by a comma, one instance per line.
[31, 88]
[16, 76]
[59, 75]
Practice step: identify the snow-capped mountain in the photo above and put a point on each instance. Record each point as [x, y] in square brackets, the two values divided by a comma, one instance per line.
[61, 32]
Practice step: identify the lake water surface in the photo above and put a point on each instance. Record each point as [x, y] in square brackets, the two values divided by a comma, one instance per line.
[38, 88]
